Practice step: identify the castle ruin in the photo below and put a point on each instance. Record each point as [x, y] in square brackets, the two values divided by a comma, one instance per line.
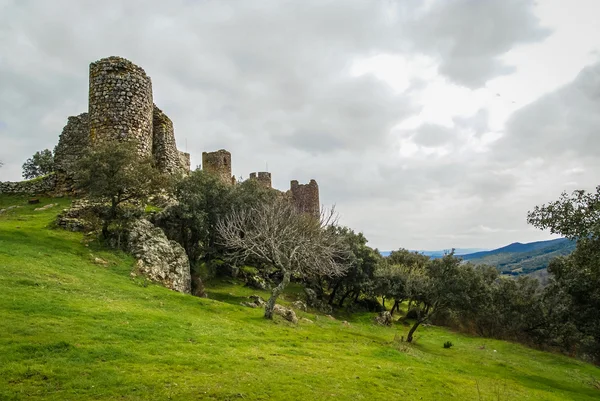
[121, 108]
[263, 178]
[306, 197]
[219, 164]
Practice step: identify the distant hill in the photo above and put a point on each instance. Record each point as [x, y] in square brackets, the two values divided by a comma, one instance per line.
[518, 258]
[440, 253]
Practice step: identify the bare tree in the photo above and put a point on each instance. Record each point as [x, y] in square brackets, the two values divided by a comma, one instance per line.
[278, 234]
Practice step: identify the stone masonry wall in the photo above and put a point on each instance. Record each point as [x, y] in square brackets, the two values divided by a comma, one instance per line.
[184, 159]
[306, 197]
[37, 186]
[263, 177]
[219, 164]
[164, 148]
[73, 142]
[120, 103]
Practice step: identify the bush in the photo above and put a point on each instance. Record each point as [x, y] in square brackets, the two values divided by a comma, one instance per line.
[448, 344]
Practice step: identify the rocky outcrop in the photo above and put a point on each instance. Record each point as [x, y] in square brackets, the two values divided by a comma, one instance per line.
[286, 313]
[257, 282]
[159, 258]
[299, 305]
[384, 318]
[256, 302]
[79, 217]
[42, 185]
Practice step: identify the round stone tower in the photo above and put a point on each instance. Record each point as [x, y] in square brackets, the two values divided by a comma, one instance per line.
[120, 103]
[219, 164]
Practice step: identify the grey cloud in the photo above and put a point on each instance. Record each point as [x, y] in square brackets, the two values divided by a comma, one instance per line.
[561, 124]
[478, 122]
[269, 82]
[469, 36]
[433, 135]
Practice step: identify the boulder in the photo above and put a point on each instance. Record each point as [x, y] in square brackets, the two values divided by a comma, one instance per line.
[257, 299]
[286, 313]
[256, 282]
[384, 318]
[299, 305]
[159, 258]
[48, 206]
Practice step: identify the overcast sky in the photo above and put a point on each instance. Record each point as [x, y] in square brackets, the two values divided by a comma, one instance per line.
[430, 124]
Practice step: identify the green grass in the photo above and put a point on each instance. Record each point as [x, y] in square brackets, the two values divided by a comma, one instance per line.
[72, 328]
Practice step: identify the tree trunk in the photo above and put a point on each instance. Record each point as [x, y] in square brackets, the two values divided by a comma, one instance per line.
[383, 302]
[394, 307]
[409, 338]
[343, 299]
[275, 293]
[332, 296]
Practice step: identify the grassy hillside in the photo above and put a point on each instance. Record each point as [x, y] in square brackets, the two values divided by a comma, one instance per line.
[520, 258]
[75, 325]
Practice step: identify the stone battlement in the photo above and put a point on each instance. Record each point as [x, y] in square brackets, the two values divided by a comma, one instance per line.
[263, 178]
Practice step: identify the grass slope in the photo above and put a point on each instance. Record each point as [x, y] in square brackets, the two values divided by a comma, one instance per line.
[74, 328]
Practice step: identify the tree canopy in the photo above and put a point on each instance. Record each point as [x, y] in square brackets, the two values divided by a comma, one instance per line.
[38, 165]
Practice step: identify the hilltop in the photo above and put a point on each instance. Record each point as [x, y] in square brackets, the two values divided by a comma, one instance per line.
[74, 324]
[518, 258]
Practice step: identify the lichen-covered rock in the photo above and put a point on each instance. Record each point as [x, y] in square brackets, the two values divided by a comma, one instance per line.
[257, 299]
[256, 282]
[159, 258]
[299, 305]
[384, 318]
[255, 302]
[78, 217]
[286, 313]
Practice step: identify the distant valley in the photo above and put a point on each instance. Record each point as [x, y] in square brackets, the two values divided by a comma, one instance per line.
[514, 259]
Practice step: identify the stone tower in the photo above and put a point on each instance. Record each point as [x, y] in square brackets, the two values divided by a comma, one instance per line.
[164, 148]
[219, 164]
[306, 197]
[120, 103]
[263, 178]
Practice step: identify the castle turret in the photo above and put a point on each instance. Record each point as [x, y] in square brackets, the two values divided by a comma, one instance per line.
[219, 164]
[120, 103]
[263, 178]
[306, 197]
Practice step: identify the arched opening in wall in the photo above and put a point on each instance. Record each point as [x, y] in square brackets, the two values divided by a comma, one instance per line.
[225, 161]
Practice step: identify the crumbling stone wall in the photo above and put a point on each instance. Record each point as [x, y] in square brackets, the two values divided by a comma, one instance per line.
[73, 142]
[306, 197]
[37, 186]
[219, 164]
[120, 103]
[263, 178]
[164, 148]
[184, 160]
